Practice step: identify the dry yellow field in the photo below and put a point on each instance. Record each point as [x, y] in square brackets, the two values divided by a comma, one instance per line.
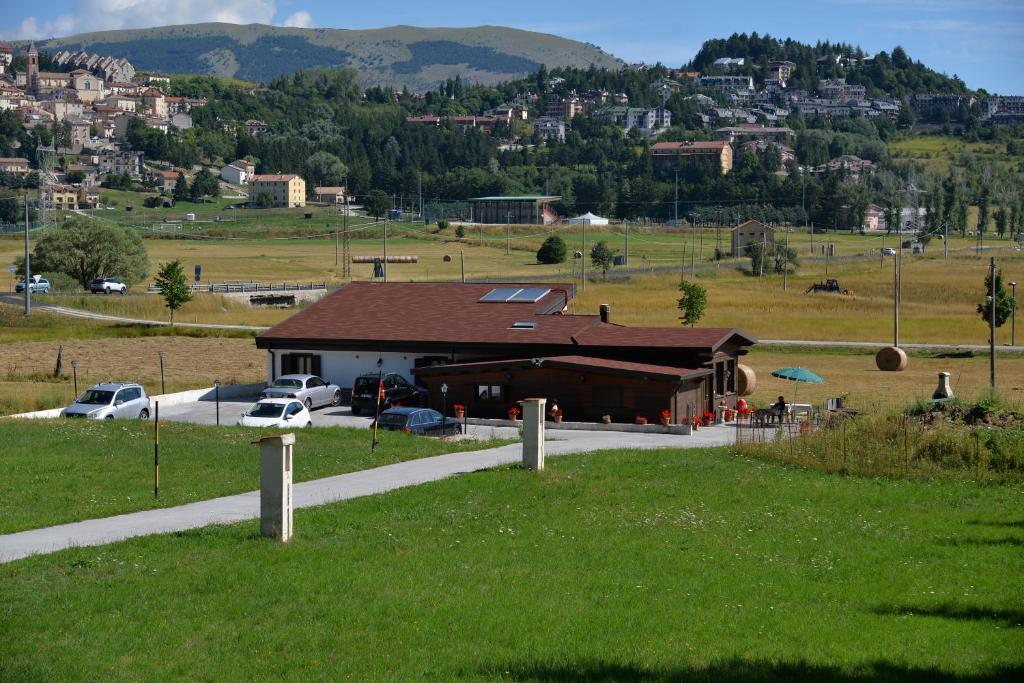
[188, 363]
[853, 374]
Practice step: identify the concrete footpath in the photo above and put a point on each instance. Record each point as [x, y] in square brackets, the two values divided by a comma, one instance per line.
[245, 506]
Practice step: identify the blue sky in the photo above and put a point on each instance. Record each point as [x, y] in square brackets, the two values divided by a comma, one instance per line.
[979, 40]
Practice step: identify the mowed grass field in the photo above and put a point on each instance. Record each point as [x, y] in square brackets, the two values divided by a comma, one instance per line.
[936, 152]
[59, 471]
[617, 566]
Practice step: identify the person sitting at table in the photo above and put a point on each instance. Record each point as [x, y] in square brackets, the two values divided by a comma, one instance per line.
[779, 409]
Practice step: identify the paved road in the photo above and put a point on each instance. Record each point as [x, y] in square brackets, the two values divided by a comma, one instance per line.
[205, 412]
[16, 300]
[245, 506]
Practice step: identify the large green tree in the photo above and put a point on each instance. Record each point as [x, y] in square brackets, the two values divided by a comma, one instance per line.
[377, 203]
[180, 192]
[204, 184]
[173, 285]
[692, 303]
[85, 250]
[324, 169]
[1004, 302]
[602, 257]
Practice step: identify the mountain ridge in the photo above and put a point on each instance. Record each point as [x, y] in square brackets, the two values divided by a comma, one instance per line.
[397, 56]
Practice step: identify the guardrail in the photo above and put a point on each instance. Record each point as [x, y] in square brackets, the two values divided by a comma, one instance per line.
[230, 287]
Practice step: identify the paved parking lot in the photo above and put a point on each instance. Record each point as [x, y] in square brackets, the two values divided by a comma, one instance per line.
[205, 412]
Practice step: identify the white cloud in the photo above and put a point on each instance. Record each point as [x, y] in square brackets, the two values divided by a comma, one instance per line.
[104, 15]
[300, 19]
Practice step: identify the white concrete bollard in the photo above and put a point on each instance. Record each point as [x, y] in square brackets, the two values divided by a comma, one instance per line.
[533, 433]
[276, 486]
[943, 391]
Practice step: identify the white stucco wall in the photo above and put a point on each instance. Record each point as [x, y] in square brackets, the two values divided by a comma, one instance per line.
[342, 367]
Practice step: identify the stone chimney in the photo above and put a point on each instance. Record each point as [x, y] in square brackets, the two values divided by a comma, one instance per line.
[606, 313]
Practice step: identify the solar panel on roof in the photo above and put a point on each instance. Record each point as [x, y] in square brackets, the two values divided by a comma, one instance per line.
[530, 295]
[500, 294]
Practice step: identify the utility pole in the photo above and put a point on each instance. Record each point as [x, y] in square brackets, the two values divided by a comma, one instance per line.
[625, 258]
[462, 264]
[419, 191]
[385, 250]
[785, 267]
[346, 267]
[945, 241]
[992, 325]
[336, 243]
[675, 202]
[508, 234]
[1013, 319]
[28, 265]
[583, 260]
[896, 296]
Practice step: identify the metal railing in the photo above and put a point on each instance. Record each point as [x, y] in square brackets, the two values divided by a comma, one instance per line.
[231, 287]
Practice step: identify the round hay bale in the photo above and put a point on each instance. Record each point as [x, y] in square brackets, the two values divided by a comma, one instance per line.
[891, 359]
[746, 380]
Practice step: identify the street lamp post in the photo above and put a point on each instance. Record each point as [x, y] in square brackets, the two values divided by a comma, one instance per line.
[992, 325]
[1013, 315]
[444, 407]
[216, 398]
[163, 389]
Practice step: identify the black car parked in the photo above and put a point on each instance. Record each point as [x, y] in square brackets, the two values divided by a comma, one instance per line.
[422, 421]
[397, 389]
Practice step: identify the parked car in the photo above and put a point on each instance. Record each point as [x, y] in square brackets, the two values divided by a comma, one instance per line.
[110, 400]
[888, 251]
[313, 391]
[276, 412]
[107, 285]
[38, 285]
[397, 389]
[422, 421]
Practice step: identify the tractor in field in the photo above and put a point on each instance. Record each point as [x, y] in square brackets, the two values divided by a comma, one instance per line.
[829, 286]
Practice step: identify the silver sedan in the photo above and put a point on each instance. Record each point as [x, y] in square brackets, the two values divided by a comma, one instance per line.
[313, 391]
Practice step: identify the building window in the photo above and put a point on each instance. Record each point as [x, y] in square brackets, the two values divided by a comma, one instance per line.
[300, 364]
[489, 392]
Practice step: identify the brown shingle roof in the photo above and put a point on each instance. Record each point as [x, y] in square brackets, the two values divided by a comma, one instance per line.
[451, 313]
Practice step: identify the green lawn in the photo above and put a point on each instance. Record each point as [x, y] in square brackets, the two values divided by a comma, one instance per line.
[64, 471]
[659, 566]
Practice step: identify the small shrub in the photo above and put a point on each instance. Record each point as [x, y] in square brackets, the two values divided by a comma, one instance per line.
[443, 224]
[552, 251]
[460, 231]
[62, 282]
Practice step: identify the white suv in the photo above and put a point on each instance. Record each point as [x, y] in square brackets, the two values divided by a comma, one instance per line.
[110, 400]
[106, 285]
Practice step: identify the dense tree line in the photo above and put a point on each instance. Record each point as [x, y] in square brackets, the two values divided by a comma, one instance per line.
[322, 125]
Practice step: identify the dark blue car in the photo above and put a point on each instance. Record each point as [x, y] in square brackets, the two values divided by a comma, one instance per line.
[419, 421]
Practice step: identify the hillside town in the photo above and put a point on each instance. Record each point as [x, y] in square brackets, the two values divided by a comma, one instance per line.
[91, 102]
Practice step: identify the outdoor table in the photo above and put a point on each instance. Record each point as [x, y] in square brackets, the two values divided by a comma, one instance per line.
[801, 408]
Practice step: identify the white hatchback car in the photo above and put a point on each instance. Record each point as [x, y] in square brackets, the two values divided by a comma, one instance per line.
[276, 412]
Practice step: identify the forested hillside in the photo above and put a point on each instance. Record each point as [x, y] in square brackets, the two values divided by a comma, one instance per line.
[882, 74]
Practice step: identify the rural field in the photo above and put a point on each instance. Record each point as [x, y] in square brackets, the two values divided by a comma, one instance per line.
[660, 566]
[938, 305]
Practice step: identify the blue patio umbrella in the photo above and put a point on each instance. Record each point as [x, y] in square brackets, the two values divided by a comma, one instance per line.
[798, 375]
